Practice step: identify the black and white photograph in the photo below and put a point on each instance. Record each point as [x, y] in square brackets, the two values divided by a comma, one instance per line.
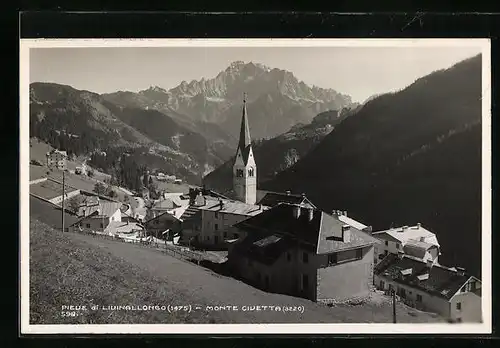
[300, 184]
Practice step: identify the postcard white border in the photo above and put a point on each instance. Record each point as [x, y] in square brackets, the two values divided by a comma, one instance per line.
[483, 328]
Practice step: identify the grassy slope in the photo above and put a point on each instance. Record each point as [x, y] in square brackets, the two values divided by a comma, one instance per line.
[75, 269]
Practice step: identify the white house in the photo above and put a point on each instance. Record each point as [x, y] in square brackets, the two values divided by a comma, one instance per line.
[98, 217]
[57, 158]
[412, 240]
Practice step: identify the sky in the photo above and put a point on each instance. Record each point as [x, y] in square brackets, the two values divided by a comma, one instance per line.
[360, 72]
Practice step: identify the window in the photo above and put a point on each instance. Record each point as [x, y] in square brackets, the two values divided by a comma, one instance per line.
[207, 237]
[382, 284]
[359, 254]
[288, 257]
[225, 235]
[239, 173]
[250, 172]
[101, 225]
[305, 281]
[459, 306]
[402, 292]
[419, 298]
[216, 227]
[386, 243]
[216, 215]
[88, 225]
[216, 239]
[397, 245]
[305, 257]
[332, 259]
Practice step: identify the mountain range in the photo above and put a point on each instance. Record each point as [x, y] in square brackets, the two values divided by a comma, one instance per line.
[276, 99]
[190, 128]
[406, 157]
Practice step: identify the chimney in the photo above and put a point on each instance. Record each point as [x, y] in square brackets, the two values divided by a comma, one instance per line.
[460, 271]
[310, 213]
[346, 233]
[419, 225]
[288, 192]
[345, 212]
[296, 211]
[422, 239]
[429, 263]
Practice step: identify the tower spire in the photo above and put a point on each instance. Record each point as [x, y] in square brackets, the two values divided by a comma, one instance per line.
[245, 139]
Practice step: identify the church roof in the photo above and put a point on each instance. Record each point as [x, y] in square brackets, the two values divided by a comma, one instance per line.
[245, 141]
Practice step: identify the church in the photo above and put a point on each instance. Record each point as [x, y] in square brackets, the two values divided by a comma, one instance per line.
[208, 220]
[210, 214]
[245, 168]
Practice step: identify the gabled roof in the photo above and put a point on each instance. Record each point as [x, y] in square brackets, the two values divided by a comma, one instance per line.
[442, 281]
[165, 204]
[417, 248]
[103, 209]
[163, 214]
[409, 233]
[245, 141]
[50, 213]
[123, 227]
[262, 247]
[272, 199]
[315, 233]
[351, 222]
[192, 214]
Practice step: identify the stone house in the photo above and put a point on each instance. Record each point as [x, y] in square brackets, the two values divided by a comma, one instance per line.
[305, 252]
[415, 241]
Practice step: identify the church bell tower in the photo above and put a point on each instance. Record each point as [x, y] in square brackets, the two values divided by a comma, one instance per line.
[244, 168]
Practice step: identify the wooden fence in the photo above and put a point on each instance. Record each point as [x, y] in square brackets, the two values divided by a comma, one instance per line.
[182, 253]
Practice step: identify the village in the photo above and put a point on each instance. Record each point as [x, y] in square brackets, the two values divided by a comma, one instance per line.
[279, 242]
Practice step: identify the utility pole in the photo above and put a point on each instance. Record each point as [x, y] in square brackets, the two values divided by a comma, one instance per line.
[62, 210]
[393, 306]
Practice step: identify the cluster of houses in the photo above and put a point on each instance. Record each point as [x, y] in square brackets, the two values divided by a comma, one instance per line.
[281, 242]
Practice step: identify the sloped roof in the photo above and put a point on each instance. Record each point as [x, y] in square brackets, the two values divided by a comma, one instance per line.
[104, 208]
[410, 233]
[442, 281]
[165, 204]
[274, 198]
[416, 248]
[165, 213]
[351, 222]
[49, 213]
[262, 247]
[245, 141]
[233, 207]
[191, 214]
[123, 227]
[49, 189]
[314, 233]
